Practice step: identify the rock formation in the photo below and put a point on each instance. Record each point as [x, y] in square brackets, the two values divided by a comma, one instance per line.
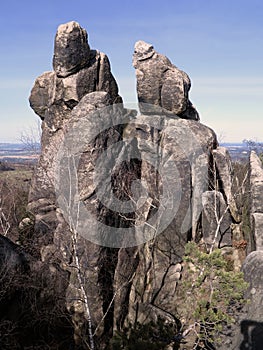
[251, 320]
[80, 74]
[164, 163]
[161, 84]
[253, 272]
[256, 186]
[223, 165]
[247, 333]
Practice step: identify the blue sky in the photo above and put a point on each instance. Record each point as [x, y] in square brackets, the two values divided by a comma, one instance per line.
[218, 43]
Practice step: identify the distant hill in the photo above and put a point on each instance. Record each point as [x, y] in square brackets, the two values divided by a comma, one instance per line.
[237, 151]
[19, 153]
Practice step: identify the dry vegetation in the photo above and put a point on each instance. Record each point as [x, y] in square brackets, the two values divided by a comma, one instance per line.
[14, 187]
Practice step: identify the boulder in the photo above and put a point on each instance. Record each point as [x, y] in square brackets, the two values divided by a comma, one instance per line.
[78, 71]
[161, 84]
[71, 50]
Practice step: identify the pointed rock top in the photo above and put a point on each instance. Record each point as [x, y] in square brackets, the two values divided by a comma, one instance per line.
[143, 50]
[68, 27]
[71, 50]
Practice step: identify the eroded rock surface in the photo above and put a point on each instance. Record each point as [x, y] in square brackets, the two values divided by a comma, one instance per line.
[82, 75]
[225, 174]
[71, 52]
[256, 199]
[249, 331]
[161, 163]
[160, 83]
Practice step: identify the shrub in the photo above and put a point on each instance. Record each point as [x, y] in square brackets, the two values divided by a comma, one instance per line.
[210, 294]
[150, 336]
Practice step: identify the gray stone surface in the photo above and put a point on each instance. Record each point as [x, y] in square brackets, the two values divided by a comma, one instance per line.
[256, 200]
[256, 183]
[54, 95]
[82, 82]
[257, 229]
[252, 269]
[181, 150]
[160, 83]
[224, 168]
[249, 335]
[71, 50]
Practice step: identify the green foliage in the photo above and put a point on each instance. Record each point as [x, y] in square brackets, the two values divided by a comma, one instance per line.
[210, 292]
[150, 336]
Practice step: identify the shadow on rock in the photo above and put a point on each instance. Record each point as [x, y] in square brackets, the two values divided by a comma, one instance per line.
[253, 335]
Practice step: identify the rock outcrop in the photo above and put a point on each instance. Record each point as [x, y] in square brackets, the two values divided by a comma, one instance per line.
[160, 83]
[223, 164]
[248, 333]
[252, 268]
[72, 51]
[77, 72]
[142, 178]
[252, 322]
[82, 75]
[256, 202]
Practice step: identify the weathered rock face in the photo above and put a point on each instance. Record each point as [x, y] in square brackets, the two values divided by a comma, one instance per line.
[82, 75]
[249, 334]
[133, 277]
[71, 52]
[53, 99]
[256, 181]
[162, 84]
[225, 174]
[256, 201]
[78, 71]
[153, 269]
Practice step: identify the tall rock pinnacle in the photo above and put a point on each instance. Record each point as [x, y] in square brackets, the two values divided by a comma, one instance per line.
[78, 70]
